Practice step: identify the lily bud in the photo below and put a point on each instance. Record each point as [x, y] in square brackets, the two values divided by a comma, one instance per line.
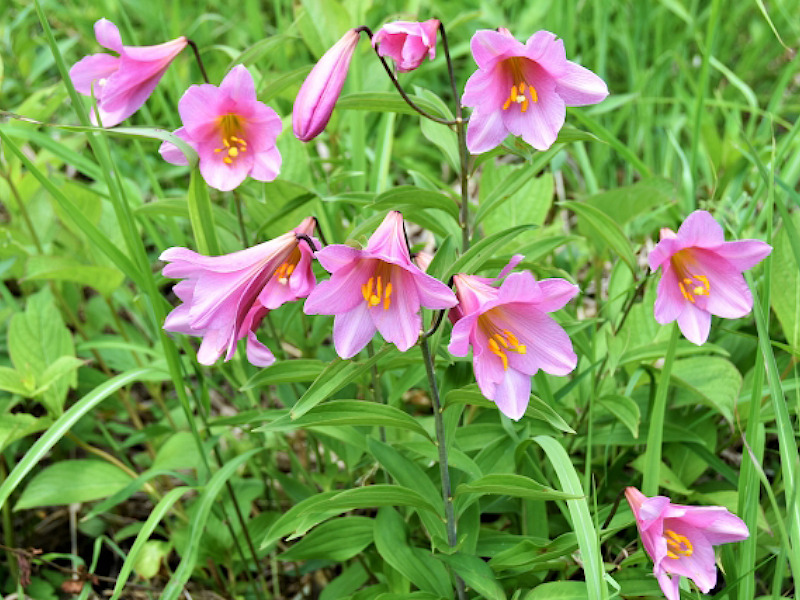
[407, 43]
[320, 91]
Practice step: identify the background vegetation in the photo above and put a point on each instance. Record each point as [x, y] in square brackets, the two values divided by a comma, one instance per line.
[122, 458]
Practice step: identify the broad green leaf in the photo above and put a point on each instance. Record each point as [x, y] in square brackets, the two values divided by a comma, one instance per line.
[559, 590]
[606, 229]
[16, 426]
[335, 376]
[178, 452]
[418, 566]
[520, 184]
[404, 197]
[55, 371]
[666, 477]
[350, 580]
[286, 371]
[61, 268]
[625, 202]
[714, 380]
[476, 574]
[785, 286]
[348, 412]
[624, 409]
[385, 102]
[338, 539]
[510, 484]
[479, 253]
[71, 481]
[37, 338]
[12, 381]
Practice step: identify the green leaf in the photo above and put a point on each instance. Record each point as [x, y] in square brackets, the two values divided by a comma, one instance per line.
[624, 409]
[63, 366]
[61, 268]
[199, 523]
[178, 452]
[16, 426]
[64, 423]
[409, 197]
[37, 338]
[623, 203]
[582, 524]
[339, 540]
[711, 379]
[416, 565]
[285, 371]
[785, 285]
[202, 215]
[517, 183]
[606, 229]
[385, 102]
[12, 381]
[479, 253]
[335, 376]
[558, 590]
[510, 484]
[348, 412]
[71, 481]
[476, 574]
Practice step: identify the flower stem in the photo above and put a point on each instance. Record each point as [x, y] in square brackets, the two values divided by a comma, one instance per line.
[399, 88]
[655, 433]
[444, 470]
[199, 60]
[237, 200]
[463, 153]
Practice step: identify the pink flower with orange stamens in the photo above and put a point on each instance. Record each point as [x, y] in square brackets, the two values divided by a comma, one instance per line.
[511, 335]
[378, 288]
[121, 84]
[680, 539]
[226, 297]
[234, 134]
[702, 275]
[523, 89]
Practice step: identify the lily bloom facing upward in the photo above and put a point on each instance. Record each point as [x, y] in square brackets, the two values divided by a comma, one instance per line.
[523, 89]
[226, 297]
[511, 335]
[377, 288]
[702, 275]
[680, 539]
[121, 84]
[318, 95]
[407, 43]
[233, 133]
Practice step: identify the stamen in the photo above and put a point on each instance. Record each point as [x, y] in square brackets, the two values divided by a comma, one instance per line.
[495, 349]
[233, 152]
[677, 545]
[366, 289]
[387, 301]
[227, 160]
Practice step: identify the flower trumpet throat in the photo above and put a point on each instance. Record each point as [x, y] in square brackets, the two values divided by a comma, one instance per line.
[677, 545]
[232, 143]
[501, 341]
[518, 95]
[379, 294]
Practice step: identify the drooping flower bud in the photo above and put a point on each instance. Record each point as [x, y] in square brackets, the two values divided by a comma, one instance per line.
[320, 91]
[407, 43]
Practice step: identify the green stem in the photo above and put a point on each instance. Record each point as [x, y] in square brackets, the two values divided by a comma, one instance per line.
[444, 470]
[655, 433]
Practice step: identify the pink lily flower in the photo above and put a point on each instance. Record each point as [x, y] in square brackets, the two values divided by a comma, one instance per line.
[511, 335]
[702, 275]
[121, 84]
[407, 42]
[320, 91]
[226, 297]
[233, 133]
[523, 89]
[680, 539]
[377, 288]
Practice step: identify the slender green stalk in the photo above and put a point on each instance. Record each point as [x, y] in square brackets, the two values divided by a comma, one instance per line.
[444, 469]
[655, 433]
[377, 392]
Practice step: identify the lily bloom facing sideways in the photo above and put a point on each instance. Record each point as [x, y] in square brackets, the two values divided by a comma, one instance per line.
[511, 335]
[702, 275]
[318, 95]
[407, 43]
[233, 133]
[226, 297]
[121, 84]
[377, 288]
[680, 539]
[523, 89]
